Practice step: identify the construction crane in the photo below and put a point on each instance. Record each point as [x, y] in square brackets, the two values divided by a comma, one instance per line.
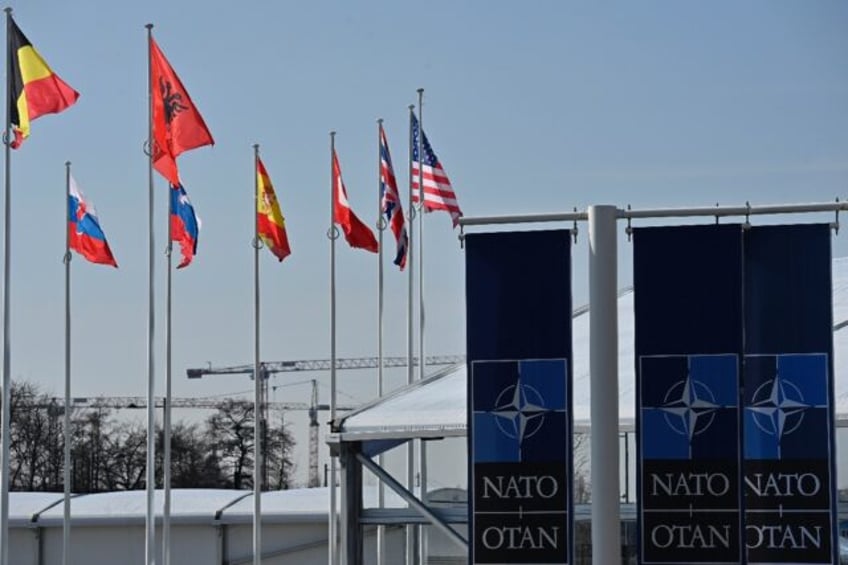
[266, 369]
[132, 402]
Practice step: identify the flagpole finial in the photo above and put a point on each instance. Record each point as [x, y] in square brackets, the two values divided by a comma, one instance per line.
[411, 107]
[256, 147]
[67, 163]
[8, 10]
[332, 134]
[148, 26]
[420, 91]
[380, 121]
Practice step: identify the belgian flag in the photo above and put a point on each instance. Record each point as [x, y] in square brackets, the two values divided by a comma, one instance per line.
[35, 89]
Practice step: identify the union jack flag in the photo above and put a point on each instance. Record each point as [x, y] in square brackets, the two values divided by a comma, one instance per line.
[391, 201]
[438, 192]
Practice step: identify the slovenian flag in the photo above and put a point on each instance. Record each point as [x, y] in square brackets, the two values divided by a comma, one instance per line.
[185, 225]
[84, 233]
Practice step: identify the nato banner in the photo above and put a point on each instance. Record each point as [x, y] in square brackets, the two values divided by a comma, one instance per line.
[734, 361]
[789, 473]
[688, 325]
[518, 306]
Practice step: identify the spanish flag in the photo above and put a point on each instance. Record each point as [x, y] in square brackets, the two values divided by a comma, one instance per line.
[271, 225]
[35, 89]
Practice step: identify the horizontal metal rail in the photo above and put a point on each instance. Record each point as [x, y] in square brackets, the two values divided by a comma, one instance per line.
[625, 214]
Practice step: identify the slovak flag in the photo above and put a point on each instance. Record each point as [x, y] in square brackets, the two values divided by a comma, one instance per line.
[391, 201]
[84, 233]
[185, 225]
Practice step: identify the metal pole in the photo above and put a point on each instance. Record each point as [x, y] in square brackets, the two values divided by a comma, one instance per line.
[410, 336]
[603, 359]
[66, 470]
[257, 375]
[381, 227]
[333, 234]
[166, 408]
[7, 381]
[150, 486]
[422, 447]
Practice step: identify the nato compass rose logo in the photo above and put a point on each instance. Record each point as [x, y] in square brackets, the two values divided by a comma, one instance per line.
[519, 411]
[778, 408]
[689, 407]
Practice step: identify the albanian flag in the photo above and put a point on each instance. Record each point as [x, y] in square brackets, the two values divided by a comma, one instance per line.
[177, 124]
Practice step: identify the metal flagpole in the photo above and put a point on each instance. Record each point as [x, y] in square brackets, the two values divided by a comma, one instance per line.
[257, 375]
[422, 446]
[7, 381]
[332, 233]
[150, 524]
[66, 471]
[410, 337]
[381, 227]
[166, 416]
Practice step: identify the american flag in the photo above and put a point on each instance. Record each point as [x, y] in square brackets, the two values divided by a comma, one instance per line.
[391, 201]
[438, 192]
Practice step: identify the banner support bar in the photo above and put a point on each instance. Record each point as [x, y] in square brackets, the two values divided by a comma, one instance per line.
[627, 214]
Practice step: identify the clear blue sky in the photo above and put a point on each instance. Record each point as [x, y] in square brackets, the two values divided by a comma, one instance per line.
[534, 107]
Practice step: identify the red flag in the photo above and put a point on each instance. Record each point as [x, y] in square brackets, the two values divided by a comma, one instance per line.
[177, 125]
[356, 233]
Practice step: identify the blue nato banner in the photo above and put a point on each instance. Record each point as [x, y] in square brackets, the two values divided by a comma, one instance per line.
[789, 463]
[734, 386]
[518, 307]
[688, 316]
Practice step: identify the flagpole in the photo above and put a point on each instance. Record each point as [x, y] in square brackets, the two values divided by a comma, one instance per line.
[7, 381]
[66, 471]
[150, 479]
[257, 374]
[166, 409]
[381, 227]
[422, 446]
[333, 234]
[410, 338]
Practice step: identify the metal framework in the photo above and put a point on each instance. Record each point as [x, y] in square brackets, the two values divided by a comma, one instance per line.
[603, 275]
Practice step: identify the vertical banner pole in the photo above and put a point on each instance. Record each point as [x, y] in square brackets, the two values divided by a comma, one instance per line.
[257, 375]
[381, 227]
[150, 486]
[422, 446]
[603, 359]
[66, 423]
[332, 234]
[410, 348]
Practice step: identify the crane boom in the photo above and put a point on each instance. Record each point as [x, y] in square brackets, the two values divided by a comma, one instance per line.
[269, 367]
[133, 402]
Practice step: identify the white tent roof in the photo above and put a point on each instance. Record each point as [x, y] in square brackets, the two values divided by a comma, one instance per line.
[436, 407]
[188, 506]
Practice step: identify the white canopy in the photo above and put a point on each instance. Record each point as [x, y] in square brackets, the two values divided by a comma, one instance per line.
[436, 407]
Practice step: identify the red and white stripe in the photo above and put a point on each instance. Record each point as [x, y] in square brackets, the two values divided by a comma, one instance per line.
[438, 192]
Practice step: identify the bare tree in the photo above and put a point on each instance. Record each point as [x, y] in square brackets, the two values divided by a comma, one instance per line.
[125, 458]
[279, 454]
[230, 432]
